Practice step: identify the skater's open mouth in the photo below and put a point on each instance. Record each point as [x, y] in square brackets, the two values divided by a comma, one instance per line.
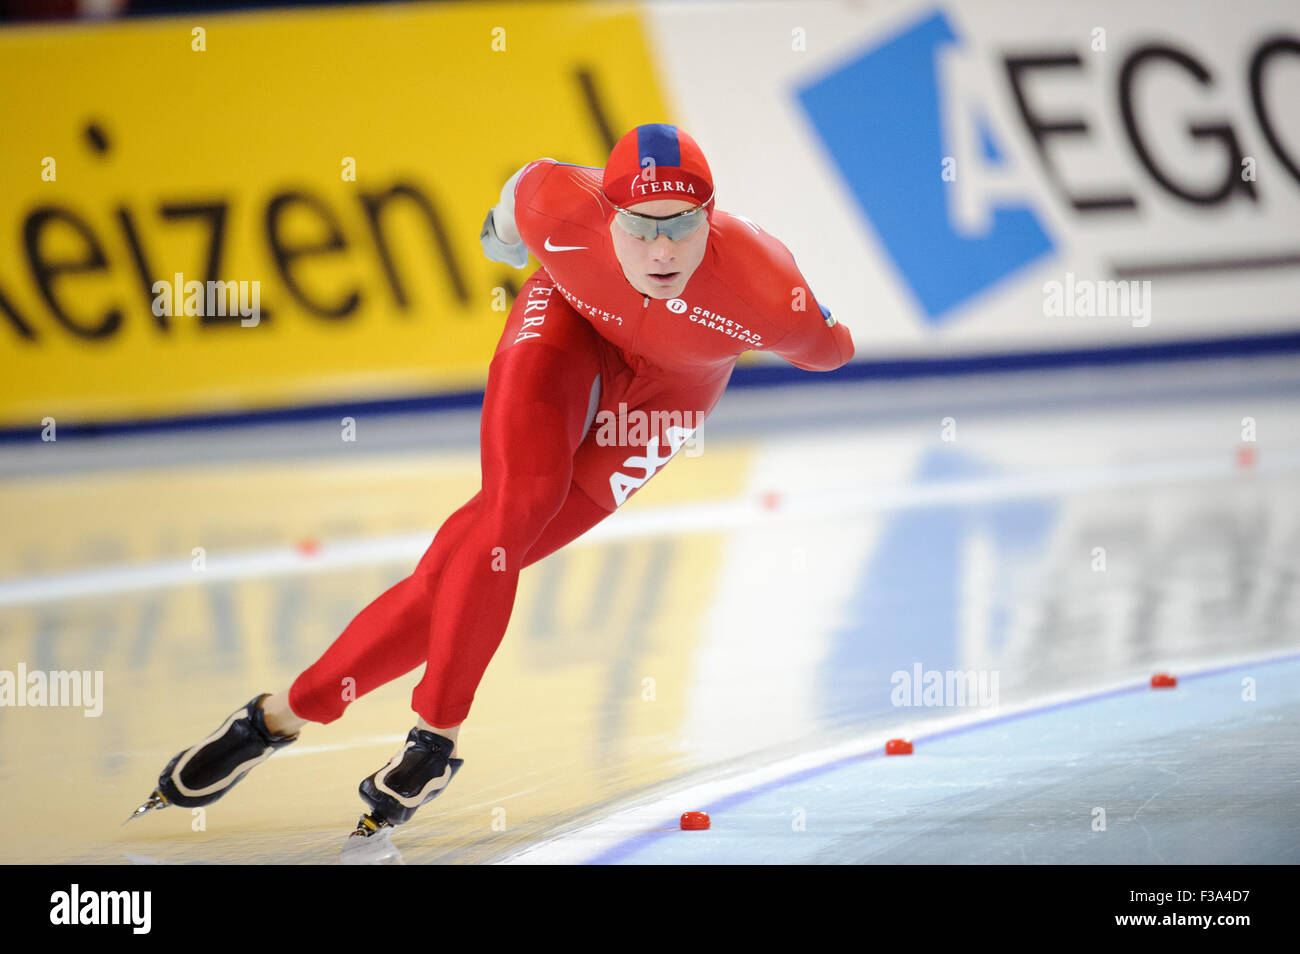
[664, 276]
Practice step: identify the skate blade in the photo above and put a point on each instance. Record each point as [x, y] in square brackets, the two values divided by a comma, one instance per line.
[371, 844]
[156, 801]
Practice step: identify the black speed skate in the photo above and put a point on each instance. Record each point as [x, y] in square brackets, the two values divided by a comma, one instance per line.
[204, 772]
[414, 776]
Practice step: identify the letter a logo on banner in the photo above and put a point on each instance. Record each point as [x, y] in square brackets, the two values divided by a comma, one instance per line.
[888, 120]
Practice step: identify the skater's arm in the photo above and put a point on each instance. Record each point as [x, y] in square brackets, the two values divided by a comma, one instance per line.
[817, 342]
[812, 340]
[500, 235]
[503, 213]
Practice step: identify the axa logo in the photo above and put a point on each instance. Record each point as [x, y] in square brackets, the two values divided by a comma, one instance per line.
[621, 485]
[888, 119]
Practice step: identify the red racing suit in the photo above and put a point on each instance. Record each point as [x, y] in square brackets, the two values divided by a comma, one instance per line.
[592, 388]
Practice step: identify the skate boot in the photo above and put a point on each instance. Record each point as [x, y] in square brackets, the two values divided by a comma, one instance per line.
[415, 775]
[204, 772]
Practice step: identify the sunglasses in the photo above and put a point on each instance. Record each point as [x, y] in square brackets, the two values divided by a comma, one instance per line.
[649, 227]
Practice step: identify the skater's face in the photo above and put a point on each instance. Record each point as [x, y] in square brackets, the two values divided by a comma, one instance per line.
[662, 266]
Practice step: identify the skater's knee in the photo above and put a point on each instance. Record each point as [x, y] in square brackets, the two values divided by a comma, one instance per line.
[314, 701]
[518, 515]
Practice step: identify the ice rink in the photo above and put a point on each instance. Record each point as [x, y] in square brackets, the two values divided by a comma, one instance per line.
[742, 638]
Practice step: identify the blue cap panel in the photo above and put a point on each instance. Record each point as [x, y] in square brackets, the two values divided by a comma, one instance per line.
[659, 142]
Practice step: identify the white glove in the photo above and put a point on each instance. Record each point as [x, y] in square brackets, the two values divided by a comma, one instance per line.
[497, 250]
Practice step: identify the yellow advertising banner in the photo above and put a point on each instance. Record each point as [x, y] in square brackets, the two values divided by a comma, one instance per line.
[225, 212]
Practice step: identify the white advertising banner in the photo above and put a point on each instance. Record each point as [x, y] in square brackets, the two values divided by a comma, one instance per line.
[993, 178]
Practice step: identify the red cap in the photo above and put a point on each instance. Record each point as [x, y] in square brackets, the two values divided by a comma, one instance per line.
[657, 161]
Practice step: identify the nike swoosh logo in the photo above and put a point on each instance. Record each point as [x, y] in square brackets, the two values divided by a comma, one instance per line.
[559, 248]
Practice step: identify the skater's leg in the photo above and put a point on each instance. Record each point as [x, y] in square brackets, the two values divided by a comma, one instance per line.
[536, 411]
[390, 637]
[549, 360]
[535, 415]
[522, 474]
[386, 640]
[578, 515]
[278, 714]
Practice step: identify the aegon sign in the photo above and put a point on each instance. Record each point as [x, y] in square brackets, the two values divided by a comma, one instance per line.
[1044, 127]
